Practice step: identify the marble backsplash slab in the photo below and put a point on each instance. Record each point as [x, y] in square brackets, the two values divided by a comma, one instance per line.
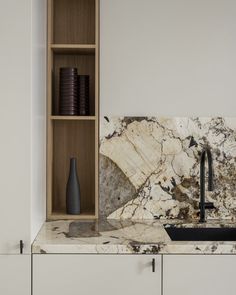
[149, 167]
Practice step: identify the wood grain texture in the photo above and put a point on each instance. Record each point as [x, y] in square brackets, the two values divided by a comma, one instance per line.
[49, 110]
[74, 139]
[97, 109]
[73, 40]
[74, 48]
[74, 118]
[74, 21]
[61, 215]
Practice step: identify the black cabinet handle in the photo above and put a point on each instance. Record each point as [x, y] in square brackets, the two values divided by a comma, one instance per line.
[21, 246]
[153, 265]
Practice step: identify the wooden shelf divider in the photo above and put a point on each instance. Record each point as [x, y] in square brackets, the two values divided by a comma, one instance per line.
[73, 48]
[63, 216]
[86, 46]
[74, 118]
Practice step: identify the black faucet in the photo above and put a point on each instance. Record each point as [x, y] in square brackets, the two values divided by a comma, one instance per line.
[205, 205]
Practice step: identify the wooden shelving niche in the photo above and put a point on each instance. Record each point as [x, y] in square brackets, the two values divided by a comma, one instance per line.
[73, 41]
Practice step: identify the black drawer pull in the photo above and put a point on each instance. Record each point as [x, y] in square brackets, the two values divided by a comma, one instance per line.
[153, 265]
[21, 246]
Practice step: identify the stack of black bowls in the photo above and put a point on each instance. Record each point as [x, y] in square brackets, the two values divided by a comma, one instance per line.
[83, 88]
[68, 104]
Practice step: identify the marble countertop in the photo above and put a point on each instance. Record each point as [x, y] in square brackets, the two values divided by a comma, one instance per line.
[124, 237]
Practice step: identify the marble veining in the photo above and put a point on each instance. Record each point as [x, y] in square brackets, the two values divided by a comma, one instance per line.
[124, 237]
[149, 167]
[149, 178]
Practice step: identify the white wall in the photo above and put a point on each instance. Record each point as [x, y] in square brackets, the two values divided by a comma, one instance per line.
[38, 115]
[168, 57]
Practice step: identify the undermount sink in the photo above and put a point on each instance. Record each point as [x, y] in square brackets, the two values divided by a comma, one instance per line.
[201, 234]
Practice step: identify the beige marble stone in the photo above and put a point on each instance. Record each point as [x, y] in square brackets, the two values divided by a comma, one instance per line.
[124, 237]
[160, 157]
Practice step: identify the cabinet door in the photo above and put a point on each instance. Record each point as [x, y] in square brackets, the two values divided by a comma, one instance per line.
[96, 274]
[15, 274]
[199, 274]
[15, 125]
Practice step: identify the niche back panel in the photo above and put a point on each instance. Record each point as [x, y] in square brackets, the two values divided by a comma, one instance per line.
[149, 167]
[74, 21]
[74, 139]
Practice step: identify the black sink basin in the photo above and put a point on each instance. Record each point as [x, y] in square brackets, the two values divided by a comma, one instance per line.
[201, 234]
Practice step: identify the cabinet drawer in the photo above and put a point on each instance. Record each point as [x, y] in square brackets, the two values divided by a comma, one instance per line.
[15, 274]
[96, 274]
[199, 274]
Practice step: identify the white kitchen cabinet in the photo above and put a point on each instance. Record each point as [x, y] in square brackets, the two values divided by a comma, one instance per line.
[199, 274]
[15, 275]
[23, 135]
[22, 122]
[14, 125]
[96, 274]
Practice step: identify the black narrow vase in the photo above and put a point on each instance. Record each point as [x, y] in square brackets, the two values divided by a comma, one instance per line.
[73, 190]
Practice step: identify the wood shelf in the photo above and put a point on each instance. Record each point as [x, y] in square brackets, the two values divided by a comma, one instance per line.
[73, 48]
[73, 41]
[60, 215]
[74, 118]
